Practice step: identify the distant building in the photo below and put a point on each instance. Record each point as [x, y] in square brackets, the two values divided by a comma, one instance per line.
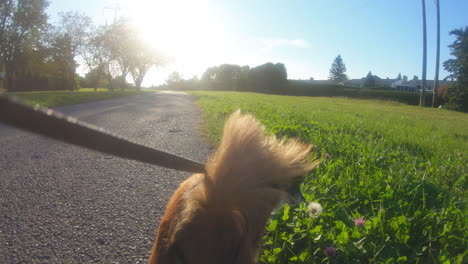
[379, 82]
[354, 82]
[413, 85]
[313, 81]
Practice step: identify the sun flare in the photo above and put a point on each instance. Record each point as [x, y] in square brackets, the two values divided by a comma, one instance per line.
[188, 32]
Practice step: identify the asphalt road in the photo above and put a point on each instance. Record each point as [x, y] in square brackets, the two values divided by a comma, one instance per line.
[65, 204]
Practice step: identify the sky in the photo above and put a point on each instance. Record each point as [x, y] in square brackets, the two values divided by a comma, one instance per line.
[381, 36]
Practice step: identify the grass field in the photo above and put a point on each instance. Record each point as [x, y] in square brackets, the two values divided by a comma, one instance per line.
[402, 168]
[60, 98]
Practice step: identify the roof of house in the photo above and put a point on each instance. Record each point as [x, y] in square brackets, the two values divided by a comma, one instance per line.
[353, 82]
[396, 82]
[319, 81]
[384, 82]
[415, 83]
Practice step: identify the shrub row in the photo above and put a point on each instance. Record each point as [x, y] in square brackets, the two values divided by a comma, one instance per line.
[29, 83]
[298, 88]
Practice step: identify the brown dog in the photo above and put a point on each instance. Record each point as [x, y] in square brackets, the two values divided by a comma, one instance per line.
[220, 216]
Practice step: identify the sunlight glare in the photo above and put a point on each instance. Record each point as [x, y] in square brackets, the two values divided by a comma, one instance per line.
[187, 31]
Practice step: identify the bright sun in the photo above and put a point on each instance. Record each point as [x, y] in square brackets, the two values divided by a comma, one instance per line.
[187, 31]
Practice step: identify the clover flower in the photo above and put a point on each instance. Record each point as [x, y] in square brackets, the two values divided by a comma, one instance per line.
[315, 209]
[327, 155]
[330, 252]
[359, 221]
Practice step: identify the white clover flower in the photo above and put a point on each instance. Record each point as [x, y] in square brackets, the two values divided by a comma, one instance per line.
[315, 209]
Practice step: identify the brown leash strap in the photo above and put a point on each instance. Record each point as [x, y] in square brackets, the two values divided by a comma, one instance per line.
[49, 123]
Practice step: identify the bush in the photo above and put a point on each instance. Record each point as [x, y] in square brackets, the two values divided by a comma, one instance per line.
[456, 97]
[77, 82]
[399, 96]
[298, 88]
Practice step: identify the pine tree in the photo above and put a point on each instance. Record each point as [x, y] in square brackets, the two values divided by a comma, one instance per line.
[456, 95]
[337, 70]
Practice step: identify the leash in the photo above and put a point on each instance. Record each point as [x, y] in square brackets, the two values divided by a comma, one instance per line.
[49, 123]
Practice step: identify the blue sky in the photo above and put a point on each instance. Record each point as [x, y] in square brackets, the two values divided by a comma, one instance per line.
[381, 36]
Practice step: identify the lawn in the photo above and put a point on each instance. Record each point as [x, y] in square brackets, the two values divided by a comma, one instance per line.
[60, 98]
[403, 169]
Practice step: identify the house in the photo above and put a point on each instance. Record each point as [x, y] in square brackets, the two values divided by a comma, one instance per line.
[353, 82]
[312, 81]
[414, 85]
[407, 86]
[378, 82]
[383, 82]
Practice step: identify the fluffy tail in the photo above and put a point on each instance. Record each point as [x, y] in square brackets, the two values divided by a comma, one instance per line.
[252, 167]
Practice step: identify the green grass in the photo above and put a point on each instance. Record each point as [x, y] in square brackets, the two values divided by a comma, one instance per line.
[60, 98]
[92, 90]
[402, 168]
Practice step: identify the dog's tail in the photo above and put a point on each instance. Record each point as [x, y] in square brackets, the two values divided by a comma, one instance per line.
[250, 167]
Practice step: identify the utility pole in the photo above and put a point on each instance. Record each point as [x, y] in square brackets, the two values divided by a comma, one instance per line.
[436, 78]
[114, 7]
[422, 96]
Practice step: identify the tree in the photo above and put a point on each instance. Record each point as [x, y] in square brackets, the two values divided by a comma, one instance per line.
[456, 95]
[268, 78]
[227, 77]
[123, 35]
[99, 55]
[67, 40]
[174, 78]
[436, 78]
[94, 78]
[369, 81]
[244, 78]
[21, 22]
[118, 50]
[142, 58]
[422, 97]
[96, 57]
[62, 54]
[70, 36]
[209, 74]
[76, 27]
[337, 70]
[458, 67]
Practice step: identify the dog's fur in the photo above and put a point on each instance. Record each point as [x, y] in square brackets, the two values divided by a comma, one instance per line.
[220, 216]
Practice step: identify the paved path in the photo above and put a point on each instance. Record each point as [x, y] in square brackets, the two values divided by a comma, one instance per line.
[65, 204]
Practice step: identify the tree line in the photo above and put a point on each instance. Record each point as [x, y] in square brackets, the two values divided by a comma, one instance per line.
[266, 78]
[36, 54]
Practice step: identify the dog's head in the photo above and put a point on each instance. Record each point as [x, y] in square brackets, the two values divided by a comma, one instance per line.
[217, 237]
[196, 230]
